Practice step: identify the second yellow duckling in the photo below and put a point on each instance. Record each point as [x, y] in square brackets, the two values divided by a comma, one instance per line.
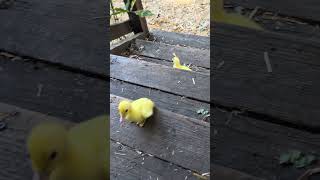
[80, 153]
[137, 111]
[219, 15]
[177, 65]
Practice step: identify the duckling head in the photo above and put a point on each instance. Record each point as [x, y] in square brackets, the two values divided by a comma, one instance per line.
[46, 145]
[176, 61]
[124, 108]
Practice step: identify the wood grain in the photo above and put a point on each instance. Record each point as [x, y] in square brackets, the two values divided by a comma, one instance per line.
[161, 77]
[302, 9]
[254, 146]
[173, 38]
[168, 63]
[289, 93]
[50, 90]
[120, 29]
[181, 140]
[72, 33]
[170, 102]
[187, 55]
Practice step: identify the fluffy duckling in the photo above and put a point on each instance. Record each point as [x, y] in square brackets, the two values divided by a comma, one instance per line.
[176, 63]
[219, 15]
[80, 153]
[137, 111]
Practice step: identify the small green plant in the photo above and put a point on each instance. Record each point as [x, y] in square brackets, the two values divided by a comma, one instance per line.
[296, 158]
[202, 111]
[129, 8]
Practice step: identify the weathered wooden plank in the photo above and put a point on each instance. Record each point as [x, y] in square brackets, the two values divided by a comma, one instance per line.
[187, 55]
[169, 63]
[288, 26]
[287, 93]
[254, 146]
[52, 32]
[40, 87]
[173, 103]
[124, 45]
[13, 153]
[120, 29]
[224, 173]
[127, 164]
[173, 38]
[161, 77]
[307, 9]
[181, 140]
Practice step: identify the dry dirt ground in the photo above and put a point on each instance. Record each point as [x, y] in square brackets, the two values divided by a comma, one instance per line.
[183, 16]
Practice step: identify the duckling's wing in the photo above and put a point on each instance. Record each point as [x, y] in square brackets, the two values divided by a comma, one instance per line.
[147, 112]
[147, 108]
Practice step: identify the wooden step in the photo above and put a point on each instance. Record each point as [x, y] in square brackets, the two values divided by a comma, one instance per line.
[288, 93]
[225, 173]
[168, 63]
[307, 9]
[184, 83]
[170, 102]
[172, 137]
[187, 55]
[126, 162]
[254, 146]
[51, 90]
[51, 32]
[187, 40]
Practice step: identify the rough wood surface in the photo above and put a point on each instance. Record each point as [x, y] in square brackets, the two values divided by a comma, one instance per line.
[187, 55]
[173, 103]
[72, 33]
[120, 29]
[307, 9]
[174, 38]
[50, 90]
[181, 140]
[161, 77]
[123, 46]
[254, 146]
[168, 63]
[288, 93]
[223, 173]
[129, 164]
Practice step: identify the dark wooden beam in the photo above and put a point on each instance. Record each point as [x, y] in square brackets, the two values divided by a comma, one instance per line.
[120, 29]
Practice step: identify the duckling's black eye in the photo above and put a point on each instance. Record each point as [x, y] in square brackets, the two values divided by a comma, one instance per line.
[53, 155]
[126, 110]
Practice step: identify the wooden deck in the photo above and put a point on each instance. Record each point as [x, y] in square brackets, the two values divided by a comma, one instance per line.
[54, 67]
[260, 114]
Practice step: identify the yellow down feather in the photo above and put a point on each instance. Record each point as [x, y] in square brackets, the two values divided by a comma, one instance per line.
[177, 65]
[219, 15]
[137, 111]
[80, 153]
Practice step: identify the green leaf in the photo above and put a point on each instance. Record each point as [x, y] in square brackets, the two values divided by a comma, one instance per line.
[284, 158]
[127, 5]
[200, 111]
[143, 13]
[205, 112]
[133, 2]
[119, 11]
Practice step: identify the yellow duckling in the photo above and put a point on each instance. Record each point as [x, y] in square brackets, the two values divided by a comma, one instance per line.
[137, 111]
[176, 63]
[219, 15]
[80, 153]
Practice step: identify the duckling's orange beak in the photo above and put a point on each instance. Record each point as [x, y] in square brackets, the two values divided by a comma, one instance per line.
[121, 119]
